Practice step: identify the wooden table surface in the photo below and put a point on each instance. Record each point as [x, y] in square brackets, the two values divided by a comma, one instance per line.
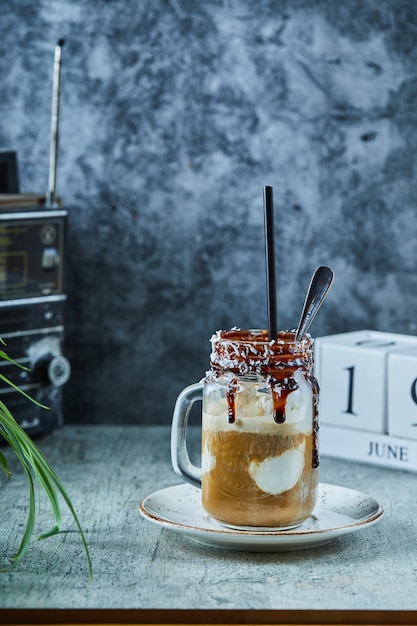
[144, 573]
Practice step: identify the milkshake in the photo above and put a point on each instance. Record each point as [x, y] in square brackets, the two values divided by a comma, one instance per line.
[259, 441]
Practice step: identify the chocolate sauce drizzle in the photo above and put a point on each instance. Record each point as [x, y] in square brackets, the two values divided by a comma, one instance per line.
[280, 391]
[315, 387]
[245, 352]
[231, 395]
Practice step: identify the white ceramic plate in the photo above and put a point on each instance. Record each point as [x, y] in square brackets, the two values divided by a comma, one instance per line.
[338, 511]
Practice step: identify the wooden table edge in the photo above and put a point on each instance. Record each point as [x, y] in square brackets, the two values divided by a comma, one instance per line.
[206, 617]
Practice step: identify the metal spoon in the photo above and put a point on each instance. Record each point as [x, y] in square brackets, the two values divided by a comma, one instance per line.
[319, 286]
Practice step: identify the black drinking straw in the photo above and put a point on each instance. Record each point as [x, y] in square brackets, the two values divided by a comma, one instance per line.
[270, 261]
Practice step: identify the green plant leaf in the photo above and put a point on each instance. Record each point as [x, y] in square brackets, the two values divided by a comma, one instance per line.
[30, 520]
[16, 388]
[6, 357]
[3, 464]
[40, 475]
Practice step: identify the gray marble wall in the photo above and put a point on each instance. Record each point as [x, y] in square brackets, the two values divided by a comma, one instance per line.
[175, 114]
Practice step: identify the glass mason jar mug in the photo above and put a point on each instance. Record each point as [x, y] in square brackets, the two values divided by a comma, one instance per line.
[259, 431]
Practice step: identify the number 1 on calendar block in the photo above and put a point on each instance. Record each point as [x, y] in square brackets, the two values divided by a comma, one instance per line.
[351, 371]
[352, 387]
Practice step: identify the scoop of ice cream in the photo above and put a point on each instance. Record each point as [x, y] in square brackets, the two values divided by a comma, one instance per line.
[277, 474]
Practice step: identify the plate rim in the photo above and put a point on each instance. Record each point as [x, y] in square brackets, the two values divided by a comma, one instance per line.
[283, 535]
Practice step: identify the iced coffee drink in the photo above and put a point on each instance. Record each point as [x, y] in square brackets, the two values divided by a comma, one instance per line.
[259, 442]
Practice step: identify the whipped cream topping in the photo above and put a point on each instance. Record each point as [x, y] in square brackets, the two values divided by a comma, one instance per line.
[254, 410]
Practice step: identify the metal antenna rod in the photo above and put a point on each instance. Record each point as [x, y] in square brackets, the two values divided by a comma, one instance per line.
[51, 200]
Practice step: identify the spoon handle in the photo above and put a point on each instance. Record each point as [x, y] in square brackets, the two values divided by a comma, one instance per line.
[319, 286]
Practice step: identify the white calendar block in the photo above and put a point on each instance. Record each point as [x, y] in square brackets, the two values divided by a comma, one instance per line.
[370, 448]
[402, 394]
[351, 369]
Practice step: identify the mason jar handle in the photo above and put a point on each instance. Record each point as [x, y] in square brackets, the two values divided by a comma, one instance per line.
[179, 454]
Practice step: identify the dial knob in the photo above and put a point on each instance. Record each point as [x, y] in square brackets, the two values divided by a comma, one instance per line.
[53, 369]
[50, 258]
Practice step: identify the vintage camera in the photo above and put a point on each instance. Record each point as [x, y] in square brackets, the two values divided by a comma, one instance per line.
[32, 301]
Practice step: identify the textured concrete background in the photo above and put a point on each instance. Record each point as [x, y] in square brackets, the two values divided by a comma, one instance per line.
[175, 114]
